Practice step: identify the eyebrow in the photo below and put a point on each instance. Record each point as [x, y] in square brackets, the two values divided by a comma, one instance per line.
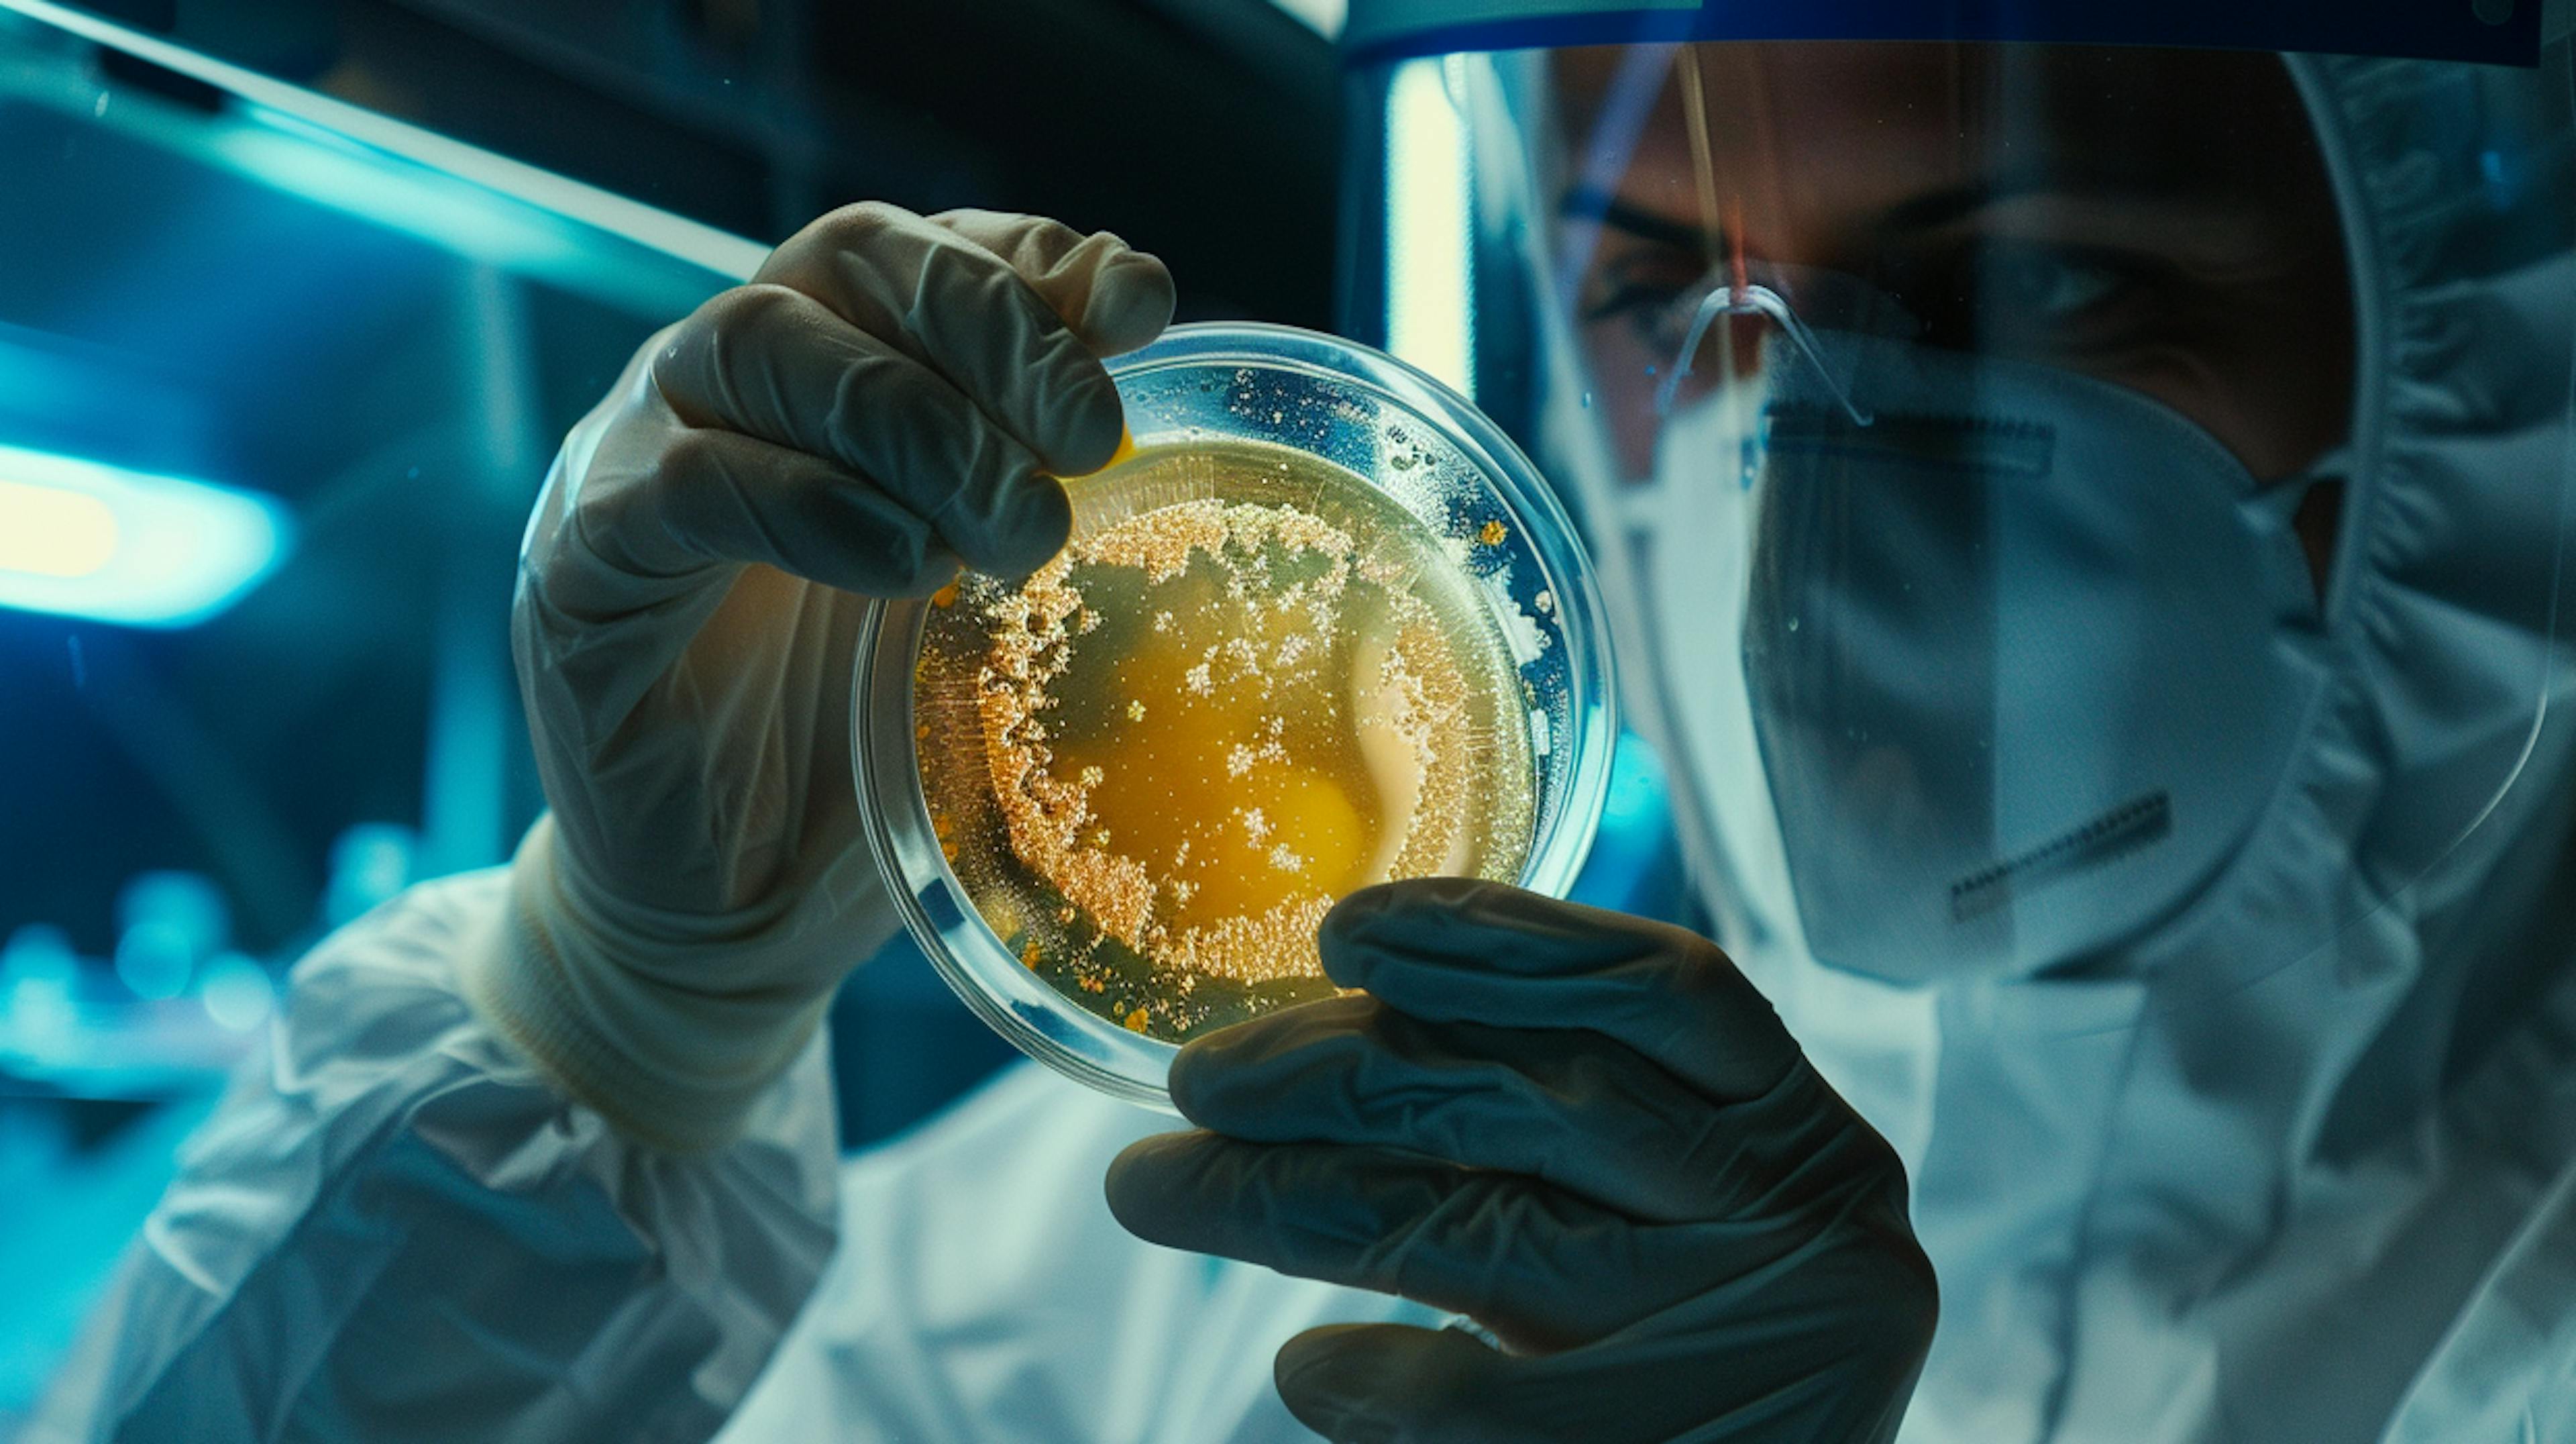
[1921, 213]
[1957, 203]
[1591, 203]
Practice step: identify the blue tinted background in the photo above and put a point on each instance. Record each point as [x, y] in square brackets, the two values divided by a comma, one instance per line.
[389, 349]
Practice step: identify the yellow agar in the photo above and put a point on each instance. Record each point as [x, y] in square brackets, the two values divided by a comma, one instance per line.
[1250, 685]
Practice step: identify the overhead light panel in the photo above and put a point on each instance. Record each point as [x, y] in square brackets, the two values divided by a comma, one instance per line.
[1324, 17]
[478, 203]
[1430, 257]
[81, 538]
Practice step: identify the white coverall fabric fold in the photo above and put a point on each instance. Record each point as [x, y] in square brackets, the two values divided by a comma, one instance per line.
[399, 1230]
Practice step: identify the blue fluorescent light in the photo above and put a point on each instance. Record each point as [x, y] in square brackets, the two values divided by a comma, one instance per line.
[291, 109]
[1430, 262]
[1324, 17]
[85, 539]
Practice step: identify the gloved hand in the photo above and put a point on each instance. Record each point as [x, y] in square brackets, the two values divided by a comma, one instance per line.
[889, 397]
[1586, 1132]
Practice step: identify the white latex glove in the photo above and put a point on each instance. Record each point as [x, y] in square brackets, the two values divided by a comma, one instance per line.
[890, 396]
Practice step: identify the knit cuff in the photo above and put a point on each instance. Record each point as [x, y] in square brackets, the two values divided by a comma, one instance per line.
[671, 1036]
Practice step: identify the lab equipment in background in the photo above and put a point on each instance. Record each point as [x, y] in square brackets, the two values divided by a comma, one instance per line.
[370, 862]
[168, 923]
[163, 1016]
[87, 539]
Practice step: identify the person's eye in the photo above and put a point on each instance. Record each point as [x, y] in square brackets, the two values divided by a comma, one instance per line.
[1634, 301]
[2052, 285]
[1656, 312]
[1645, 292]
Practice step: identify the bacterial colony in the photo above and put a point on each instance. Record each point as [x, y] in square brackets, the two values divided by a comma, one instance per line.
[1251, 684]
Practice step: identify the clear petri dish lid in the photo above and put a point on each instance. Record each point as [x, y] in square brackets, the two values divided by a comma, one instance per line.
[1321, 626]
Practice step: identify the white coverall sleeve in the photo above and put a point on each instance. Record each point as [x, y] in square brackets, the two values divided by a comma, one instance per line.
[396, 1229]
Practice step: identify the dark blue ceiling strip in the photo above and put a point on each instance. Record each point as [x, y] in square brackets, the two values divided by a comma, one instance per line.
[2494, 32]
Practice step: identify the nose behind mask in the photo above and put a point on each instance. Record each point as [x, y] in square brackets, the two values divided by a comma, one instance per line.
[2022, 661]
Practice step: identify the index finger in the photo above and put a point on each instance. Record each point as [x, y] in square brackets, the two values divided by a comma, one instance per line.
[1459, 950]
[1013, 311]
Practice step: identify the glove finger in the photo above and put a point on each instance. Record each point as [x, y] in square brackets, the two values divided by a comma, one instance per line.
[1462, 950]
[1575, 1108]
[1762, 1362]
[1115, 298]
[776, 364]
[719, 496]
[1541, 1268]
[1014, 311]
[1396, 1384]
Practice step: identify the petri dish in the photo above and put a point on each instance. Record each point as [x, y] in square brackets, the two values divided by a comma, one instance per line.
[1320, 625]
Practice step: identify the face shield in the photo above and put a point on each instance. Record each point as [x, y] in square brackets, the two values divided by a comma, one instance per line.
[2058, 498]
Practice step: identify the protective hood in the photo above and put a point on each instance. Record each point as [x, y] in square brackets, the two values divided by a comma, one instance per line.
[2238, 1176]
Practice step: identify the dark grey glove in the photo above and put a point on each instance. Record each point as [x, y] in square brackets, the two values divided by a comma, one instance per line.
[1587, 1133]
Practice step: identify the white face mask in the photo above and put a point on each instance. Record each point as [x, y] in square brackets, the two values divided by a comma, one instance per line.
[1997, 682]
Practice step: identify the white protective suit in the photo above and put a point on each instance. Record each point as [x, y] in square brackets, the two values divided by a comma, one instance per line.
[2333, 1199]
[399, 1230]
[2213, 1192]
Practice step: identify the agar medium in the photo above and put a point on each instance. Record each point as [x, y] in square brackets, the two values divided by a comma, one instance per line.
[1321, 627]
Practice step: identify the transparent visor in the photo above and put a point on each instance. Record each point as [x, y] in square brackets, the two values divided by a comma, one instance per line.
[2063, 507]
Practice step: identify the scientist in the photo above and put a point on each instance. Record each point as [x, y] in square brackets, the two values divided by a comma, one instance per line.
[2084, 527]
